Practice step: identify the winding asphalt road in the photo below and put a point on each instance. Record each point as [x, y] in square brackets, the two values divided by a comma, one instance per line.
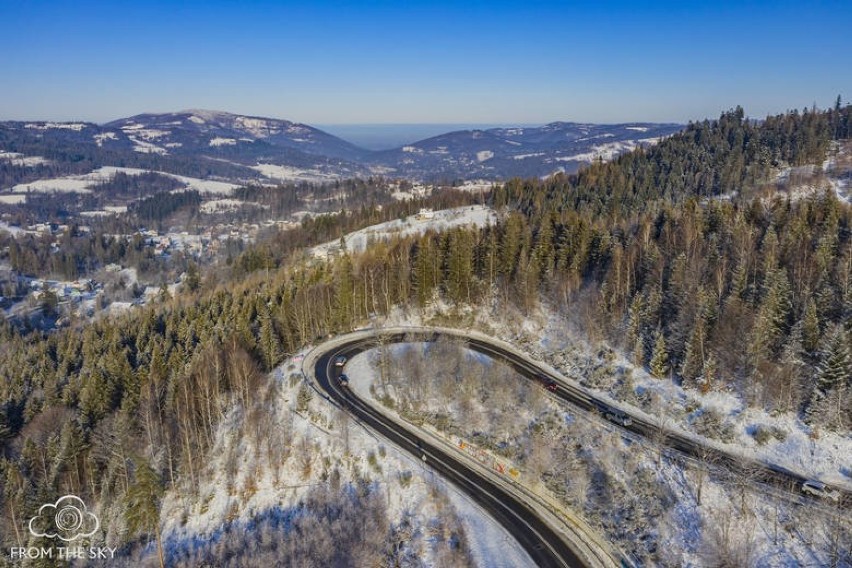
[752, 470]
[546, 546]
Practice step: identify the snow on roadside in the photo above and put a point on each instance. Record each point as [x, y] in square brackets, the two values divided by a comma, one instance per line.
[257, 486]
[550, 339]
[491, 544]
[759, 528]
[823, 455]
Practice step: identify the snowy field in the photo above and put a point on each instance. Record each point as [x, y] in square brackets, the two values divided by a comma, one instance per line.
[84, 183]
[74, 184]
[475, 215]
[292, 174]
[222, 205]
[12, 198]
[608, 151]
[17, 159]
[834, 174]
[205, 185]
[839, 169]
[75, 126]
[218, 141]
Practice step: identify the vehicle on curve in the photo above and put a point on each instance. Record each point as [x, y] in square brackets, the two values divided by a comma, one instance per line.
[819, 489]
[340, 361]
[618, 417]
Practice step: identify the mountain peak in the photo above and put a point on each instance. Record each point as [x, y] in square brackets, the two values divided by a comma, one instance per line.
[206, 114]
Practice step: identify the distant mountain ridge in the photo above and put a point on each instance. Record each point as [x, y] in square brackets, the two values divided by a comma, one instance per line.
[232, 129]
[244, 149]
[499, 153]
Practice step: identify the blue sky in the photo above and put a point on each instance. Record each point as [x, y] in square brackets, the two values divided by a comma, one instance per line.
[418, 62]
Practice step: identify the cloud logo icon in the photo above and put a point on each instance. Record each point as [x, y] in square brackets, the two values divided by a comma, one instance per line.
[68, 519]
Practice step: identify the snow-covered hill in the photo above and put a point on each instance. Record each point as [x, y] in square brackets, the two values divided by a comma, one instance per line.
[239, 149]
[200, 130]
[501, 153]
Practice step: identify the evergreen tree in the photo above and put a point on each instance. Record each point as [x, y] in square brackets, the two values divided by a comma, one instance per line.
[635, 331]
[625, 231]
[193, 277]
[543, 254]
[693, 360]
[771, 323]
[510, 244]
[831, 401]
[426, 264]
[142, 505]
[835, 366]
[459, 270]
[709, 374]
[832, 410]
[344, 284]
[810, 327]
[269, 341]
[659, 364]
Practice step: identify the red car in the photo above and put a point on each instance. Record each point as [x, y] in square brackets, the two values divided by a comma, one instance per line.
[548, 383]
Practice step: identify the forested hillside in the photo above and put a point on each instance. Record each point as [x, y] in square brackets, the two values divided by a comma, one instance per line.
[751, 291]
[710, 158]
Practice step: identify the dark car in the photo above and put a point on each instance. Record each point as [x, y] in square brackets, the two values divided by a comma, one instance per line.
[548, 383]
[343, 380]
[340, 361]
[618, 417]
